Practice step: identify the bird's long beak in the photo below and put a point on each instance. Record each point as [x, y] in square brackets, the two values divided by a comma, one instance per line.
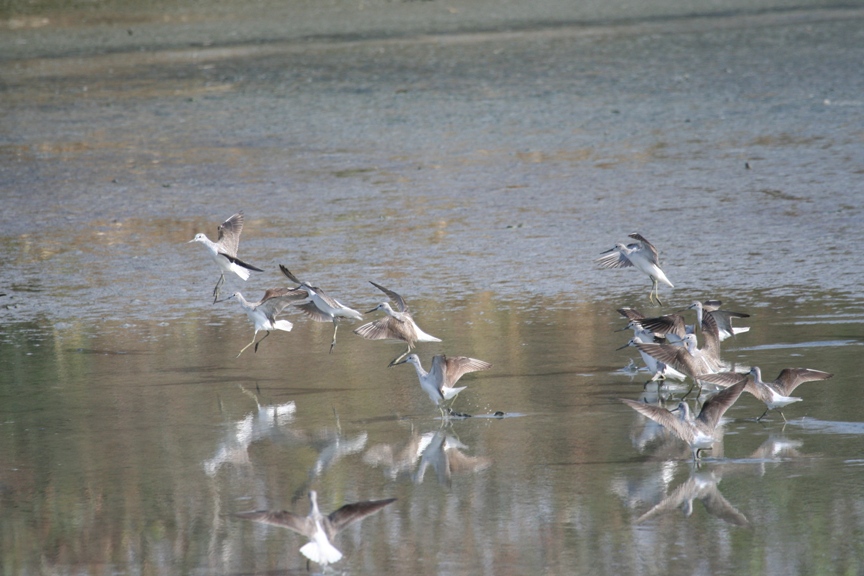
[627, 345]
[607, 251]
[224, 299]
[397, 362]
[372, 310]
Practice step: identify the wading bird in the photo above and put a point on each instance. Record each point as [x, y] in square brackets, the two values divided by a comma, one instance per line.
[224, 251]
[397, 325]
[320, 529]
[264, 312]
[774, 394]
[699, 432]
[439, 382]
[643, 256]
[319, 306]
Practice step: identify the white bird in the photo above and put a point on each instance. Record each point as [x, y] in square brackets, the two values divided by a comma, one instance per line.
[318, 528]
[320, 307]
[224, 251]
[264, 312]
[641, 254]
[774, 394]
[439, 382]
[397, 325]
[700, 432]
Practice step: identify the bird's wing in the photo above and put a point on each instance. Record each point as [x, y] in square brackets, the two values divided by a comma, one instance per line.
[666, 353]
[710, 338]
[386, 328]
[300, 524]
[614, 259]
[455, 367]
[791, 378]
[663, 417]
[313, 313]
[668, 324]
[275, 300]
[724, 379]
[288, 273]
[396, 298]
[229, 234]
[332, 302]
[239, 262]
[349, 513]
[647, 246]
[715, 406]
[631, 314]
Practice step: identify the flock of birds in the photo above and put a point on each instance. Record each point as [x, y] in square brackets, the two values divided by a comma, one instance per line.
[670, 349]
[668, 346]
[439, 382]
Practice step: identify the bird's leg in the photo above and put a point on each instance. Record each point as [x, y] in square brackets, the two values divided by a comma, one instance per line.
[255, 335]
[335, 328]
[655, 289]
[759, 419]
[398, 358]
[262, 339]
[216, 290]
[784, 416]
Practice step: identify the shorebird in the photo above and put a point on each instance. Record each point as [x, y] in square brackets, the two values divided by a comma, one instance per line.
[688, 358]
[397, 325]
[318, 528]
[224, 251]
[319, 306]
[774, 394]
[723, 318]
[699, 432]
[641, 254]
[659, 370]
[263, 313]
[439, 382]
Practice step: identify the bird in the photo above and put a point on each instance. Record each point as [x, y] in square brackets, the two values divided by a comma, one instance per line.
[774, 394]
[263, 313]
[723, 318]
[641, 254]
[699, 432]
[397, 325]
[320, 529]
[688, 358]
[439, 382]
[224, 251]
[319, 306]
[659, 370]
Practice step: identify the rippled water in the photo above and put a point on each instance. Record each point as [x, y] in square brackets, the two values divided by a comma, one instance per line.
[478, 175]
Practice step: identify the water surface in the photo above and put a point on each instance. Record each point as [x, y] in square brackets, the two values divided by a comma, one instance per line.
[478, 173]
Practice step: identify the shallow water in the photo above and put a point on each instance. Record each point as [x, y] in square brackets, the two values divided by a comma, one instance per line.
[478, 173]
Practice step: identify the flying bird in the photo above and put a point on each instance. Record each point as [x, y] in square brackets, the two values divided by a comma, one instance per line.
[776, 394]
[224, 251]
[396, 325]
[319, 306]
[699, 432]
[640, 254]
[320, 529]
[439, 383]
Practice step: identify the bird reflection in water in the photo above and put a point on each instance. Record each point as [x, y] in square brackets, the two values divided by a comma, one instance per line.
[441, 450]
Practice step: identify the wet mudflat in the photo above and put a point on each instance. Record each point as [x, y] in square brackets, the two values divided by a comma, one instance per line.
[478, 173]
